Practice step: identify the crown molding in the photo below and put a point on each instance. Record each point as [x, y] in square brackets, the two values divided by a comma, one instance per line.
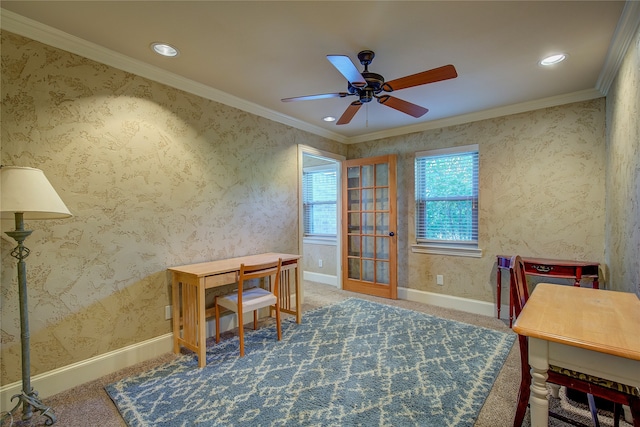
[492, 113]
[625, 32]
[34, 30]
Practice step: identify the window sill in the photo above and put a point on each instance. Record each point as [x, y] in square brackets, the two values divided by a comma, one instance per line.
[447, 250]
[328, 241]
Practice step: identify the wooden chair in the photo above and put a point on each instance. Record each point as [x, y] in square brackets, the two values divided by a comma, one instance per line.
[619, 394]
[252, 299]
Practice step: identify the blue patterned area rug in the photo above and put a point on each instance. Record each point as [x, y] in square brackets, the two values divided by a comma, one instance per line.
[354, 363]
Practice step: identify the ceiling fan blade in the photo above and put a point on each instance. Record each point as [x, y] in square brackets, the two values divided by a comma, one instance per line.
[319, 96]
[431, 76]
[346, 67]
[402, 106]
[351, 111]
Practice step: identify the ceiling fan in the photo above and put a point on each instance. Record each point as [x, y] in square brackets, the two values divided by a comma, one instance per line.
[367, 86]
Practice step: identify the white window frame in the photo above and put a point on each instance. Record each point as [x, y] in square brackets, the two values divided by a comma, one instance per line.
[458, 248]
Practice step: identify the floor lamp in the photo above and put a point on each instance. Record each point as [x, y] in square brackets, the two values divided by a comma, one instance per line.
[27, 195]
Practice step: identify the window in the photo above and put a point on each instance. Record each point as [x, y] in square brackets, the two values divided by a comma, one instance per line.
[446, 191]
[320, 201]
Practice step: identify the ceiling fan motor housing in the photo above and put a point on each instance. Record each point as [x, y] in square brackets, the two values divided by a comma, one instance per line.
[373, 87]
[374, 81]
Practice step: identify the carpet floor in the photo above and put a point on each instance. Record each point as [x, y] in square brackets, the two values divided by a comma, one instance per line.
[90, 405]
[353, 363]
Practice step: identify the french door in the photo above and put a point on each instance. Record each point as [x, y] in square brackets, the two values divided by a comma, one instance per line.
[369, 241]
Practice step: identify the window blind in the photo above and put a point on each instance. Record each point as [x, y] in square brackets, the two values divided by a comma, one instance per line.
[319, 192]
[446, 187]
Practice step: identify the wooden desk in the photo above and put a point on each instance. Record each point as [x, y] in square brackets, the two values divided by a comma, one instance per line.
[189, 283]
[587, 330]
[558, 268]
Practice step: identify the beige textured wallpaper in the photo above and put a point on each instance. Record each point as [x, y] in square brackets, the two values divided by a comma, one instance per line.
[155, 177]
[623, 173]
[541, 194]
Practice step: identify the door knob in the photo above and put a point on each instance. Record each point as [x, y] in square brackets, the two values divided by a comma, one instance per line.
[392, 234]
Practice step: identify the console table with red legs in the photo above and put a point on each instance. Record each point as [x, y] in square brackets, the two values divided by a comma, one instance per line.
[558, 268]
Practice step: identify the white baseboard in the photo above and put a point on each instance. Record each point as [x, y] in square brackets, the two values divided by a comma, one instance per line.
[327, 279]
[450, 301]
[440, 300]
[66, 377]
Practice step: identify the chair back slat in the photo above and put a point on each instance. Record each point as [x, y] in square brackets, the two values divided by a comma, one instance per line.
[256, 271]
[520, 291]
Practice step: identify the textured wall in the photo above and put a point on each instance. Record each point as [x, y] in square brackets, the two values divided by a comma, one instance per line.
[623, 173]
[312, 253]
[541, 194]
[155, 177]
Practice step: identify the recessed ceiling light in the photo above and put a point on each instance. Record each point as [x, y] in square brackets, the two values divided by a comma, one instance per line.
[329, 119]
[553, 59]
[164, 49]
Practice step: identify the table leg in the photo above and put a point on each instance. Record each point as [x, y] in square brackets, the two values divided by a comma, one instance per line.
[578, 276]
[202, 325]
[538, 401]
[498, 289]
[175, 301]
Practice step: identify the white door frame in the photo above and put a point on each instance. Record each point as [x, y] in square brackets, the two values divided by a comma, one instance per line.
[304, 149]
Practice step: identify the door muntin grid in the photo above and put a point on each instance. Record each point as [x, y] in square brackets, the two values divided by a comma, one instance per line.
[368, 217]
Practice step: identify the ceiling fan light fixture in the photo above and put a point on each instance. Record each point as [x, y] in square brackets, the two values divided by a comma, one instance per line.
[553, 59]
[164, 49]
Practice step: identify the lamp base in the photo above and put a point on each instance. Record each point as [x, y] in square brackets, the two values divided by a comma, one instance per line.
[30, 403]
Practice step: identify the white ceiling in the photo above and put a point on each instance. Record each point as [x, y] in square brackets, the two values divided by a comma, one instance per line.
[250, 54]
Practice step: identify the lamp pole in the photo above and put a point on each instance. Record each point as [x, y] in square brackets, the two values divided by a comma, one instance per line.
[29, 397]
[27, 194]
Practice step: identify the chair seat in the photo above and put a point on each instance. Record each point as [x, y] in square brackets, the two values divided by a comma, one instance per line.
[252, 299]
[613, 385]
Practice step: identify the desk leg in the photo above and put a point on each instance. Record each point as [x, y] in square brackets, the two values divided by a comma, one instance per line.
[202, 325]
[175, 301]
[298, 293]
[539, 362]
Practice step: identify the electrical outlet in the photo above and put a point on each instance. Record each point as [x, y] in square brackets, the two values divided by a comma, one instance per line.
[440, 279]
[319, 263]
[167, 312]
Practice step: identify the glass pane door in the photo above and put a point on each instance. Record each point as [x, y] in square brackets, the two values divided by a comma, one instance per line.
[369, 219]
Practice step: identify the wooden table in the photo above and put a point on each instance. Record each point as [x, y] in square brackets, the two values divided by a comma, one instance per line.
[587, 330]
[189, 283]
[558, 268]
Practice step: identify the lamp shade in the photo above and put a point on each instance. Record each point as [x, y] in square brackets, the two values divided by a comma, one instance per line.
[28, 191]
